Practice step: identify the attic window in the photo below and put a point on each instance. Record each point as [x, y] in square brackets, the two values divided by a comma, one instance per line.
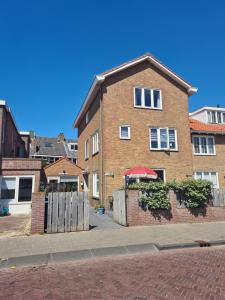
[48, 145]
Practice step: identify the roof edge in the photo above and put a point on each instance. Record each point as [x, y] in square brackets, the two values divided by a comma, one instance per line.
[99, 79]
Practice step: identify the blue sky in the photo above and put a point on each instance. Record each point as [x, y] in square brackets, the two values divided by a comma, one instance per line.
[51, 49]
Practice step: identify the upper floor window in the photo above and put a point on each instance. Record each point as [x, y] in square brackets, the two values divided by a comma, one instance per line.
[216, 117]
[163, 139]
[204, 145]
[211, 176]
[73, 147]
[86, 149]
[125, 132]
[95, 143]
[147, 98]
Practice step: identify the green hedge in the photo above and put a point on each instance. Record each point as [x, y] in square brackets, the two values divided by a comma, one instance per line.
[155, 194]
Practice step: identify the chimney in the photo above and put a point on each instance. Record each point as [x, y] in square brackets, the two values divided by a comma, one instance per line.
[61, 137]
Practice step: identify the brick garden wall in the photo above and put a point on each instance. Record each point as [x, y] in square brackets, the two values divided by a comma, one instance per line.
[38, 213]
[137, 216]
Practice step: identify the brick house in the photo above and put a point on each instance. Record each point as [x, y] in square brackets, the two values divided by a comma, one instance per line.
[134, 114]
[207, 126]
[19, 175]
[63, 171]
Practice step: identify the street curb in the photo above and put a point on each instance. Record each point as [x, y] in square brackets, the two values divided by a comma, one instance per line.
[69, 256]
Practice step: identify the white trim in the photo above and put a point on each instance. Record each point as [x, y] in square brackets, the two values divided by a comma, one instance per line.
[95, 176]
[24, 132]
[87, 117]
[86, 149]
[53, 178]
[129, 135]
[100, 78]
[161, 169]
[207, 148]
[206, 108]
[210, 175]
[95, 143]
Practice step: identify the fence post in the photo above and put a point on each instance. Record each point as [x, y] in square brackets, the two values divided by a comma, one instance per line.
[38, 213]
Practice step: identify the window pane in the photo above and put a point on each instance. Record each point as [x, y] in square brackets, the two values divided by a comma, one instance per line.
[206, 176]
[203, 145]
[163, 138]
[8, 188]
[198, 175]
[196, 145]
[172, 139]
[214, 179]
[209, 116]
[154, 138]
[156, 95]
[25, 189]
[210, 145]
[224, 118]
[124, 132]
[137, 96]
[147, 98]
[213, 117]
[219, 119]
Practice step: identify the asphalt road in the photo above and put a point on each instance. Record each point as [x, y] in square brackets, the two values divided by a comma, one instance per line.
[178, 274]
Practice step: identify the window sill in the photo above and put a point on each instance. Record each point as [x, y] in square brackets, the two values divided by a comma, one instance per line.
[93, 154]
[204, 154]
[164, 150]
[95, 197]
[87, 158]
[151, 108]
[125, 139]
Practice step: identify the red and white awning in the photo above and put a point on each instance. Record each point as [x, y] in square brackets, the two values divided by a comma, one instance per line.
[141, 172]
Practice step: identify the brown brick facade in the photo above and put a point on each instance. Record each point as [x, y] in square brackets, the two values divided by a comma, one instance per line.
[38, 213]
[137, 216]
[117, 108]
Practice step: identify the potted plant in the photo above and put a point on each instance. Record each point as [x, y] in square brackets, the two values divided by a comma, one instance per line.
[101, 209]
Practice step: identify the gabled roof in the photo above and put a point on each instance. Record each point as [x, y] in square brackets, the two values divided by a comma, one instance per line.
[197, 126]
[212, 108]
[99, 79]
[60, 161]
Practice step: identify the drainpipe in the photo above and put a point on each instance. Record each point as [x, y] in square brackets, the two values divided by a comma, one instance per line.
[101, 147]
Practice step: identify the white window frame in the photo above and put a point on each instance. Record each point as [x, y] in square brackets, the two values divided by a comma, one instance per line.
[164, 172]
[159, 140]
[95, 193]
[210, 175]
[72, 144]
[143, 98]
[86, 149]
[95, 143]
[207, 145]
[124, 138]
[209, 116]
[15, 200]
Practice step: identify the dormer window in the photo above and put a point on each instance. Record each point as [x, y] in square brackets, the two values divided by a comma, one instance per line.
[216, 117]
[73, 147]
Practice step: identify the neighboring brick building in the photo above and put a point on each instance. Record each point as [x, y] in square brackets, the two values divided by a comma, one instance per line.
[207, 126]
[134, 114]
[63, 171]
[19, 175]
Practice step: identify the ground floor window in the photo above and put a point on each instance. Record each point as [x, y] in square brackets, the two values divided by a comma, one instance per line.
[161, 175]
[96, 185]
[17, 189]
[25, 189]
[211, 176]
[8, 188]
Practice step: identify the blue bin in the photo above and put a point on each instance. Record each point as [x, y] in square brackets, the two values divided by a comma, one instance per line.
[101, 210]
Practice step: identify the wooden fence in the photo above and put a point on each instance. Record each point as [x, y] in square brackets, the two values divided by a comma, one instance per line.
[119, 207]
[67, 211]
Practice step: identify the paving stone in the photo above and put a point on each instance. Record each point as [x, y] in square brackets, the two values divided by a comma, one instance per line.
[109, 251]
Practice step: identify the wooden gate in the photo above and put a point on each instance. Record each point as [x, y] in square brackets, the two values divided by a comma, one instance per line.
[218, 197]
[119, 207]
[67, 211]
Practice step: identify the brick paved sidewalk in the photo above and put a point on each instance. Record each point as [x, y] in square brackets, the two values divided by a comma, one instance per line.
[181, 274]
[158, 234]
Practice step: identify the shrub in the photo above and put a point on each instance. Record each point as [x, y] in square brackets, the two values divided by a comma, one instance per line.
[154, 195]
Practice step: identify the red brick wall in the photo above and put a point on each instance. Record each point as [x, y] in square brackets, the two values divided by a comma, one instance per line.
[38, 213]
[137, 216]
